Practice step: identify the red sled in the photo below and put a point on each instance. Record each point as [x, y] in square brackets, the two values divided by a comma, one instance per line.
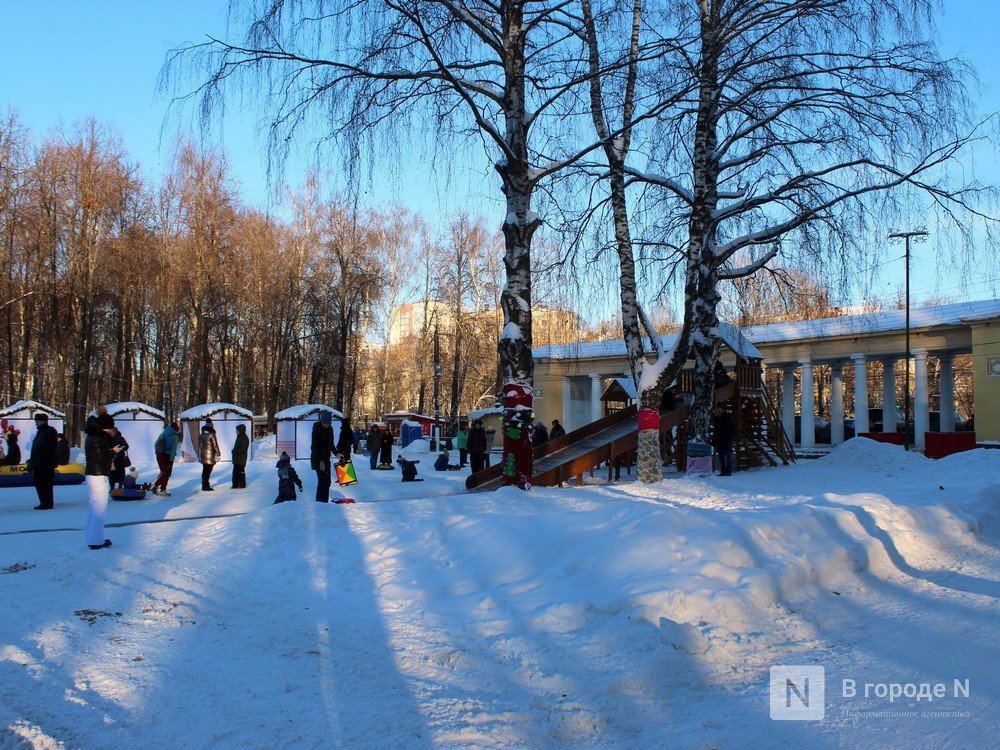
[344, 500]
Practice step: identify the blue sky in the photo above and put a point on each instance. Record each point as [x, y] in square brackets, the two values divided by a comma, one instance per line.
[62, 61]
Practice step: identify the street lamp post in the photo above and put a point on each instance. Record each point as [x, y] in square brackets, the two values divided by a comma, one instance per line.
[436, 439]
[917, 235]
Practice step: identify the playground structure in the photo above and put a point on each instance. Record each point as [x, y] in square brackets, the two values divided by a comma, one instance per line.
[611, 442]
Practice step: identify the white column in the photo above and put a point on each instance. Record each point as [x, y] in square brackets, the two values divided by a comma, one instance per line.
[921, 400]
[788, 402]
[808, 409]
[860, 393]
[947, 407]
[596, 391]
[888, 395]
[836, 403]
[567, 404]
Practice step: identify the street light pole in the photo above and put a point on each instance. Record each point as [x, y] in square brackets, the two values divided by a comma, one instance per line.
[917, 235]
[436, 441]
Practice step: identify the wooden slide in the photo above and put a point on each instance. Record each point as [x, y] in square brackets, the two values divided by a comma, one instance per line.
[610, 441]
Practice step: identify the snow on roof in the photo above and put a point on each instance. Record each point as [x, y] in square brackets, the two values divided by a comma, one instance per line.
[733, 337]
[305, 410]
[121, 407]
[627, 385]
[409, 414]
[31, 406]
[208, 410]
[883, 321]
[412, 423]
[480, 413]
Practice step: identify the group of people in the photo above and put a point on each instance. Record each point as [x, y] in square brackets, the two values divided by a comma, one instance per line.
[10, 451]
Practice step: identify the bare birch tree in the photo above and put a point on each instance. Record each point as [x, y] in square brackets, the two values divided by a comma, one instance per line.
[802, 125]
[499, 71]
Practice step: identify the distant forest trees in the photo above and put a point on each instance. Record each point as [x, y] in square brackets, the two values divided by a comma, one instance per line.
[177, 294]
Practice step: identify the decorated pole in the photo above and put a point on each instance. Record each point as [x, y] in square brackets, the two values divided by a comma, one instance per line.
[517, 422]
[649, 460]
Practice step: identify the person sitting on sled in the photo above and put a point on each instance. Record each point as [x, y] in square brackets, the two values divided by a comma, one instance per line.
[409, 469]
[345, 471]
[131, 480]
[288, 478]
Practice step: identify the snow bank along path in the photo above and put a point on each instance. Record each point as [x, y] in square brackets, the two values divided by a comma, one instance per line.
[607, 616]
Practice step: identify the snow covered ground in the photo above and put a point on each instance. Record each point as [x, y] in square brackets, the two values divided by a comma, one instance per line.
[609, 616]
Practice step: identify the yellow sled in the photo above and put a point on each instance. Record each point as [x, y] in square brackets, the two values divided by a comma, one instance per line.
[18, 476]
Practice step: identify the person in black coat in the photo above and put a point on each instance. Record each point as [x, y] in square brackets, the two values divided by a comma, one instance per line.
[345, 443]
[319, 455]
[477, 446]
[240, 455]
[62, 450]
[557, 430]
[121, 460]
[373, 443]
[385, 453]
[13, 457]
[722, 439]
[539, 435]
[669, 401]
[100, 456]
[43, 460]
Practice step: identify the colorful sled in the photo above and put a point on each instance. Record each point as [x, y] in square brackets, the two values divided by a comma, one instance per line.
[18, 476]
[346, 475]
[132, 493]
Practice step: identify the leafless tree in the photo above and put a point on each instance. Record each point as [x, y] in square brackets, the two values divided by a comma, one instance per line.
[503, 71]
[799, 126]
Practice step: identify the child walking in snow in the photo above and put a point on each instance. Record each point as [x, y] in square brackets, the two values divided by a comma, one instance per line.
[288, 479]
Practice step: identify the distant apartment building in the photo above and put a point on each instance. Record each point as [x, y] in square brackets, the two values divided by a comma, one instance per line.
[409, 320]
[549, 325]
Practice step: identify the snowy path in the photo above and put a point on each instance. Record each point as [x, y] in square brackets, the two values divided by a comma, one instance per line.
[618, 616]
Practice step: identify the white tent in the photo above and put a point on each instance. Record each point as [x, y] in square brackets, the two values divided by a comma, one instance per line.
[225, 418]
[295, 426]
[140, 424]
[20, 417]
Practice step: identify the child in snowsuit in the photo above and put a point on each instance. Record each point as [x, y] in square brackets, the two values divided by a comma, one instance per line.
[288, 479]
[441, 464]
[409, 469]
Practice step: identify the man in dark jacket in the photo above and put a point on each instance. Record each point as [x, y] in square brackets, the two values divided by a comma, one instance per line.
[722, 440]
[43, 460]
[557, 430]
[319, 455]
[539, 435]
[241, 450]
[477, 446]
[374, 445]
